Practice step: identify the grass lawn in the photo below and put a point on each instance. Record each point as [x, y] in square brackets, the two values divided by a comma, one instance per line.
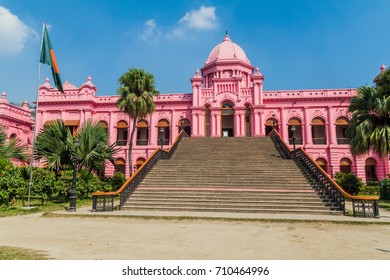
[13, 253]
[53, 204]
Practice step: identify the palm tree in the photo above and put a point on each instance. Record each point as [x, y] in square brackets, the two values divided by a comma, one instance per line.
[136, 99]
[11, 148]
[94, 150]
[55, 145]
[370, 124]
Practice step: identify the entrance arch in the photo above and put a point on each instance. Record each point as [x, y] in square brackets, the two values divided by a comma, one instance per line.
[227, 120]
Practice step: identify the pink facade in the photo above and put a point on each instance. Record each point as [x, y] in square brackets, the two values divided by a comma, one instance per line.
[227, 99]
[16, 121]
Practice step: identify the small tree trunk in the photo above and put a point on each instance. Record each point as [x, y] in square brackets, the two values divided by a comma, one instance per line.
[131, 146]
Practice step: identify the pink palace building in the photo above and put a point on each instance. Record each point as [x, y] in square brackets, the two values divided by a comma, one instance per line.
[227, 100]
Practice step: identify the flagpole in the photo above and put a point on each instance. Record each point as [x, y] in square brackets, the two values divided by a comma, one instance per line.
[35, 123]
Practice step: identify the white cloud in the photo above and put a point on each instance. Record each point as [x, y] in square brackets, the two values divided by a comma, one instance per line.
[204, 18]
[151, 32]
[13, 32]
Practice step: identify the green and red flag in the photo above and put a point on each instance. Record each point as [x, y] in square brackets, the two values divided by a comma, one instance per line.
[48, 57]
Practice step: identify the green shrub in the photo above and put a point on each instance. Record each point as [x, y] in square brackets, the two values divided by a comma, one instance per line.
[369, 190]
[349, 182]
[385, 188]
[117, 180]
[12, 184]
[43, 181]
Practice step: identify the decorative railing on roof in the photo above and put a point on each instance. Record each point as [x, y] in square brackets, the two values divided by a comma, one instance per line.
[362, 206]
[326, 93]
[104, 201]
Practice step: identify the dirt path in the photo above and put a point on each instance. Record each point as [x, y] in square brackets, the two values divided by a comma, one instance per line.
[114, 238]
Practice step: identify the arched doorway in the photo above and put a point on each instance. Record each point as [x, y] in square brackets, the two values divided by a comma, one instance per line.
[120, 165]
[248, 132]
[370, 168]
[139, 162]
[185, 124]
[270, 124]
[227, 120]
[207, 115]
[345, 165]
[322, 163]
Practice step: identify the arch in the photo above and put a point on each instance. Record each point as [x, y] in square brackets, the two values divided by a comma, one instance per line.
[341, 127]
[370, 169]
[142, 132]
[227, 119]
[322, 163]
[163, 132]
[103, 123]
[139, 162]
[295, 131]
[248, 113]
[345, 165]
[185, 124]
[207, 117]
[121, 133]
[318, 132]
[270, 124]
[120, 165]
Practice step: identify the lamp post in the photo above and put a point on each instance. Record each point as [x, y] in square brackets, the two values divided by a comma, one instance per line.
[161, 130]
[73, 193]
[293, 128]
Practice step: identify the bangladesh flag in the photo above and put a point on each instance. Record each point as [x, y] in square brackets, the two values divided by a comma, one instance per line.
[48, 57]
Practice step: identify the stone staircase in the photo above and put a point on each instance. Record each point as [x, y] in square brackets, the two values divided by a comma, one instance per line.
[246, 175]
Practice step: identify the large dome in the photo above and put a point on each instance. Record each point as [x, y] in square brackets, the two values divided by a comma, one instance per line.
[227, 50]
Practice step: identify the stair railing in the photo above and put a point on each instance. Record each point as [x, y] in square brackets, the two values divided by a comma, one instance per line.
[362, 206]
[104, 201]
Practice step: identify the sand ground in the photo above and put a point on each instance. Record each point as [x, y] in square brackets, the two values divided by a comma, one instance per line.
[128, 238]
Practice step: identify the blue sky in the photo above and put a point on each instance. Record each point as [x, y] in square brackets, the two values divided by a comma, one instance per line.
[296, 44]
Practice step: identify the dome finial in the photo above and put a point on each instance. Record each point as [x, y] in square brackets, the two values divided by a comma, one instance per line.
[227, 34]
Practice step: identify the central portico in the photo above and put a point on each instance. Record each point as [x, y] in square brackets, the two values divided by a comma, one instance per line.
[227, 96]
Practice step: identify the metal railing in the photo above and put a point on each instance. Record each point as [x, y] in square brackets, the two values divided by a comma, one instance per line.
[104, 201]
[362, 206]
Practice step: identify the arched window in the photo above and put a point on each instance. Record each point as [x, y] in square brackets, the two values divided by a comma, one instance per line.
[163, 132]
[322, 163]
[139, 162]
[122, 133]
[185, 124]
[104, 124]
[271, 124]
[227, 116]
[142, 133]
[370, 168]
[295, 131]
[207, 115]
[72, 125]
[120, 165]
[341, 126]
[345, 165]
[13, 136]
[318, 131]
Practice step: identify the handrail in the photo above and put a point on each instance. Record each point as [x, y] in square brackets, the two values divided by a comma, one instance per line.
[274, 134]
[104, 201]
[365, 206]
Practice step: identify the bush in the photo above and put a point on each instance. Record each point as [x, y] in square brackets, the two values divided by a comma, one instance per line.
[12, 184]
[385, 188]
[349, 182]
[117, 180]
[43, 181]
[369, 190]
